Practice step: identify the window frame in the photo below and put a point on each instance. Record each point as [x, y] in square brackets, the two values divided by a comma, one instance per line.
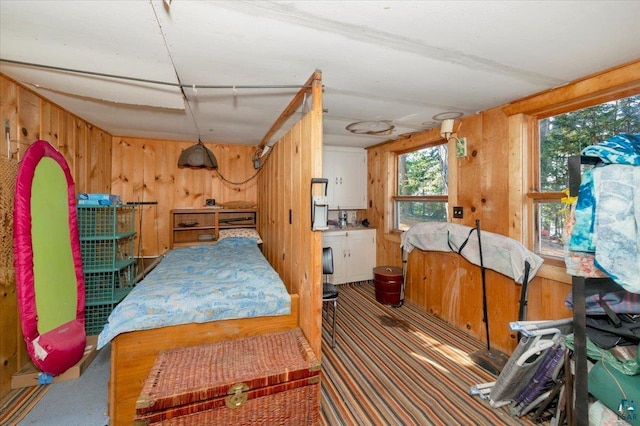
[533, 194]
[424, 198]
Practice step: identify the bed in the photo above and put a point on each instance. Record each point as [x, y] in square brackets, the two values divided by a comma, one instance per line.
[196, 295]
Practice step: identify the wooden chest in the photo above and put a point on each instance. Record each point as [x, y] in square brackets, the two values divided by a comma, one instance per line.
[267, 379]
[388, 285]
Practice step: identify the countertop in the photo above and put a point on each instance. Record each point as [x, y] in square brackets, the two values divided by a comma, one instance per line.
[333, 228]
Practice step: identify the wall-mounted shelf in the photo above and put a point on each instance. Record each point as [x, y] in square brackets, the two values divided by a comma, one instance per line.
[197, 226]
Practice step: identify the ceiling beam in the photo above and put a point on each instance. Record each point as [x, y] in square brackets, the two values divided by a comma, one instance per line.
[293, 106]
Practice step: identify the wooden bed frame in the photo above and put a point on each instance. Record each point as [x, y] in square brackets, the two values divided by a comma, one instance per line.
[133, 353]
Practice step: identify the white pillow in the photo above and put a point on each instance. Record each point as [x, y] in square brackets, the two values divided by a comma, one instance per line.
[240, 232]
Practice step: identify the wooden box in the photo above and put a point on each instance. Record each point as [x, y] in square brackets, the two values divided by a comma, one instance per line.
[267, 379]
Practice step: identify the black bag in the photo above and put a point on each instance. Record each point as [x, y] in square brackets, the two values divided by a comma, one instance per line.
[613, 329]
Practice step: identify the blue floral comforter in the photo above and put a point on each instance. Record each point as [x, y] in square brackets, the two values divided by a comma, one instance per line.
[607, 214]
[227, 280]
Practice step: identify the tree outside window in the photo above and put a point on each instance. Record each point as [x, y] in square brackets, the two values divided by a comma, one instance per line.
[561, 136]
[421, 191]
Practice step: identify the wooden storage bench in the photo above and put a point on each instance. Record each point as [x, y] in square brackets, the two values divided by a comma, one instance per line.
[267, 379]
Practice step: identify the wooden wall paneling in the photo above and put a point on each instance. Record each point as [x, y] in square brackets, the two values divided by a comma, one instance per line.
[277, 212]
[64, 142]
[147, 237]
[415, 286]
[157, 180]
[285, 203]
[494, 149]
[235, 164]
[214, 186]
[166, 194]
[49, 122]
[466, 173]
[503, 295]
[120, 167]
[28, 118]
[187, 184]
[517, 165]
[107, 158]
[383, 212]
[80, 137]
[263, 205]
[291, 193]
[374, 187]
[546, 299]
[99, 161]
[9, 111]
[441, 271]
[311, 275]
[461, 299]
[271, 196]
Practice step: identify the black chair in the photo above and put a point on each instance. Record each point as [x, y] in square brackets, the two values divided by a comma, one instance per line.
[329, 291]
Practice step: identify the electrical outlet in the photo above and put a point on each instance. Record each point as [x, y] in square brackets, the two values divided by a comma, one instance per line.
[457, 212]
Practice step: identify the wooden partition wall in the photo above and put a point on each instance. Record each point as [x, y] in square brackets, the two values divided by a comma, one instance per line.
[491, 185]
[284, 192]
[87, 150]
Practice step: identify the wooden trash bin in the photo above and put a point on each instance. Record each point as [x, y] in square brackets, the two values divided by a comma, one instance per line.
[388, 285]
[267, 379]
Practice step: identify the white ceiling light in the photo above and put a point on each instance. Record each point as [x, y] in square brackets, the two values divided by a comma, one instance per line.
[380, 127]
[449, 115]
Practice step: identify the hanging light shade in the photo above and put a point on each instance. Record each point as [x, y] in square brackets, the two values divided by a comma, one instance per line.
[198, 156]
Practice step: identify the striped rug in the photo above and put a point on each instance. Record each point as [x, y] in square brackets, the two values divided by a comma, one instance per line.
[15, 405]
[400, 366]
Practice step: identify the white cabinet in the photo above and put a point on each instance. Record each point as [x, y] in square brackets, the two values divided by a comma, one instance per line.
[354, 254]
[346, 170]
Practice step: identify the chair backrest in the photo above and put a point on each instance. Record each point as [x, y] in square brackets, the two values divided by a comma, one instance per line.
[327, 261]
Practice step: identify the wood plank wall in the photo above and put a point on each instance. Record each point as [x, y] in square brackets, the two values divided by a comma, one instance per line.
[87, 150]
[146, 170]
[490, 184]
[285, 214]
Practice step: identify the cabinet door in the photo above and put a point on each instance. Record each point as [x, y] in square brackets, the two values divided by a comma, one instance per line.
[346, 170]
[338, 242]
[361, 253]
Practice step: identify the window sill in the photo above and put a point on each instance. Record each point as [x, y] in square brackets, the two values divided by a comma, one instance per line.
[554, 272]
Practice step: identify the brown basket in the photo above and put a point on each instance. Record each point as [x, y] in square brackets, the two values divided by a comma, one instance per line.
[266, 379]
[8, 173]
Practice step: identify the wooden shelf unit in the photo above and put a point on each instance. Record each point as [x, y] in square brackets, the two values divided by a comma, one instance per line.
[198, 226]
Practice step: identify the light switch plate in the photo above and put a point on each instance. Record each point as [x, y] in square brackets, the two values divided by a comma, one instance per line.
[457, 212]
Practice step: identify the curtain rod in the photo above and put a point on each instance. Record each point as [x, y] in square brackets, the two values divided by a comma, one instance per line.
[163, 83]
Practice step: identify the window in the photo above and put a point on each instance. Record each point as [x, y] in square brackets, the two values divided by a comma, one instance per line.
[421, 190]
[561, 136]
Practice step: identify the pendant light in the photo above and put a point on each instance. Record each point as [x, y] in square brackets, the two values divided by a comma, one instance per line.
[198, 156]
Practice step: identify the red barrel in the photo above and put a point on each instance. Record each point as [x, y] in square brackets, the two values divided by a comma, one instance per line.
[388, 284]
